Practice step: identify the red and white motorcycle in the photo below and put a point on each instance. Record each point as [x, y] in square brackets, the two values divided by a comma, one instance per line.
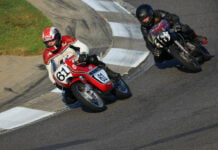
[89, 84]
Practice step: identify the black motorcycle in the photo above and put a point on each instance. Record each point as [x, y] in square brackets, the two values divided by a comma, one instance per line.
[189, 54]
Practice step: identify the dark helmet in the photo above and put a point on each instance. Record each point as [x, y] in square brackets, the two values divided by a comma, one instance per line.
[52, 39]
[145, 15]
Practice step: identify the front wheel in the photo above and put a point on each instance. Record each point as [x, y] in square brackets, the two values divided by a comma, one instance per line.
[186, 60]
[121, 89]
[88, 97]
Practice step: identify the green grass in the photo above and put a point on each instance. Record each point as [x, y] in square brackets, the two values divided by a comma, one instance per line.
[21, 26]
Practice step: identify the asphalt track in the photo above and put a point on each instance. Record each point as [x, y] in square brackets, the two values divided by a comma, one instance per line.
[170, 109]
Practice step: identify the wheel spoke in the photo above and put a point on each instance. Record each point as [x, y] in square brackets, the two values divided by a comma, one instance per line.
[90, 96]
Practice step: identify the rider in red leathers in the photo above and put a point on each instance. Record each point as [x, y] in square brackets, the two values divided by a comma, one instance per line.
[59, 48]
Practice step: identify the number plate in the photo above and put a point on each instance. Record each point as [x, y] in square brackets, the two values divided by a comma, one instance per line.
[62, 74]
[102, 76]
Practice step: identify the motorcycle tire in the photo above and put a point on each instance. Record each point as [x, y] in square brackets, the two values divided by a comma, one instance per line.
[88, 97]
[186, 60]
[121, 89]
[202, 51]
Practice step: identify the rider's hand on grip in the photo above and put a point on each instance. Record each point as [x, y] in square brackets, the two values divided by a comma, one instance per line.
[82, 58]
[157, 43]
[162, 39]
[177, 27]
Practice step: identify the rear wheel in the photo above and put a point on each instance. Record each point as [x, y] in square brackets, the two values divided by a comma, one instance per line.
[202, 51]
[121, 89]
[88, 97]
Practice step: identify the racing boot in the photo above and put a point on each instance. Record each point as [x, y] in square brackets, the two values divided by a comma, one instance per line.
[113, 75]
[201, 39]
[68, 97]
[193, 36]
[197, 38]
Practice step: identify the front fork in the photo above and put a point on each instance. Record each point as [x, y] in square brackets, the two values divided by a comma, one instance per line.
[186, 55]
[181, 47]
[84, 81]
[88, 87]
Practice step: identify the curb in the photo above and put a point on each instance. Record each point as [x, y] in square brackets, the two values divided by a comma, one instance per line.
[128, 42]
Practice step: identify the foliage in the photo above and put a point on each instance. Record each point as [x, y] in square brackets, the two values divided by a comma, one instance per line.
[21, 26]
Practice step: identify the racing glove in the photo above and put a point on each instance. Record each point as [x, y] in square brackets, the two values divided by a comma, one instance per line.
[74, 47]
[162, 39]
[58, 86]
[177, 27]
[83, 58]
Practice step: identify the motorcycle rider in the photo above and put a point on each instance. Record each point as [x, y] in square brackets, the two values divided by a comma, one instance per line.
[58, 48]
[149, 18]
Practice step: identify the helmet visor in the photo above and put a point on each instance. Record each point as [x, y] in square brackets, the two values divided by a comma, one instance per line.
[146, 20]
[50, 43]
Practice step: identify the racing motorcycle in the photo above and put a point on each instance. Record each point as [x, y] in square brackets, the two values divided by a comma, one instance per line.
[89, 84]
[176, 45]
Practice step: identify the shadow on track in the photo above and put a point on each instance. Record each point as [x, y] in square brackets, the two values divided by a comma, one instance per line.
[178, 136]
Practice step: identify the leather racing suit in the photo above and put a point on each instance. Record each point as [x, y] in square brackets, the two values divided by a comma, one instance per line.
[69, 46]
[174, 21]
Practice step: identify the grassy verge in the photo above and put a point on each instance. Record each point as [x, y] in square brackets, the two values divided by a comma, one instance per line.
[21, 27]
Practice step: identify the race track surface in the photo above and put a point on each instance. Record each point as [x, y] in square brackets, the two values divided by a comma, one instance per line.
[169, 109]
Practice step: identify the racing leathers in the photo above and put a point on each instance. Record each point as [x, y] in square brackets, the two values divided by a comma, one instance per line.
[174, 22]
[70, 46]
